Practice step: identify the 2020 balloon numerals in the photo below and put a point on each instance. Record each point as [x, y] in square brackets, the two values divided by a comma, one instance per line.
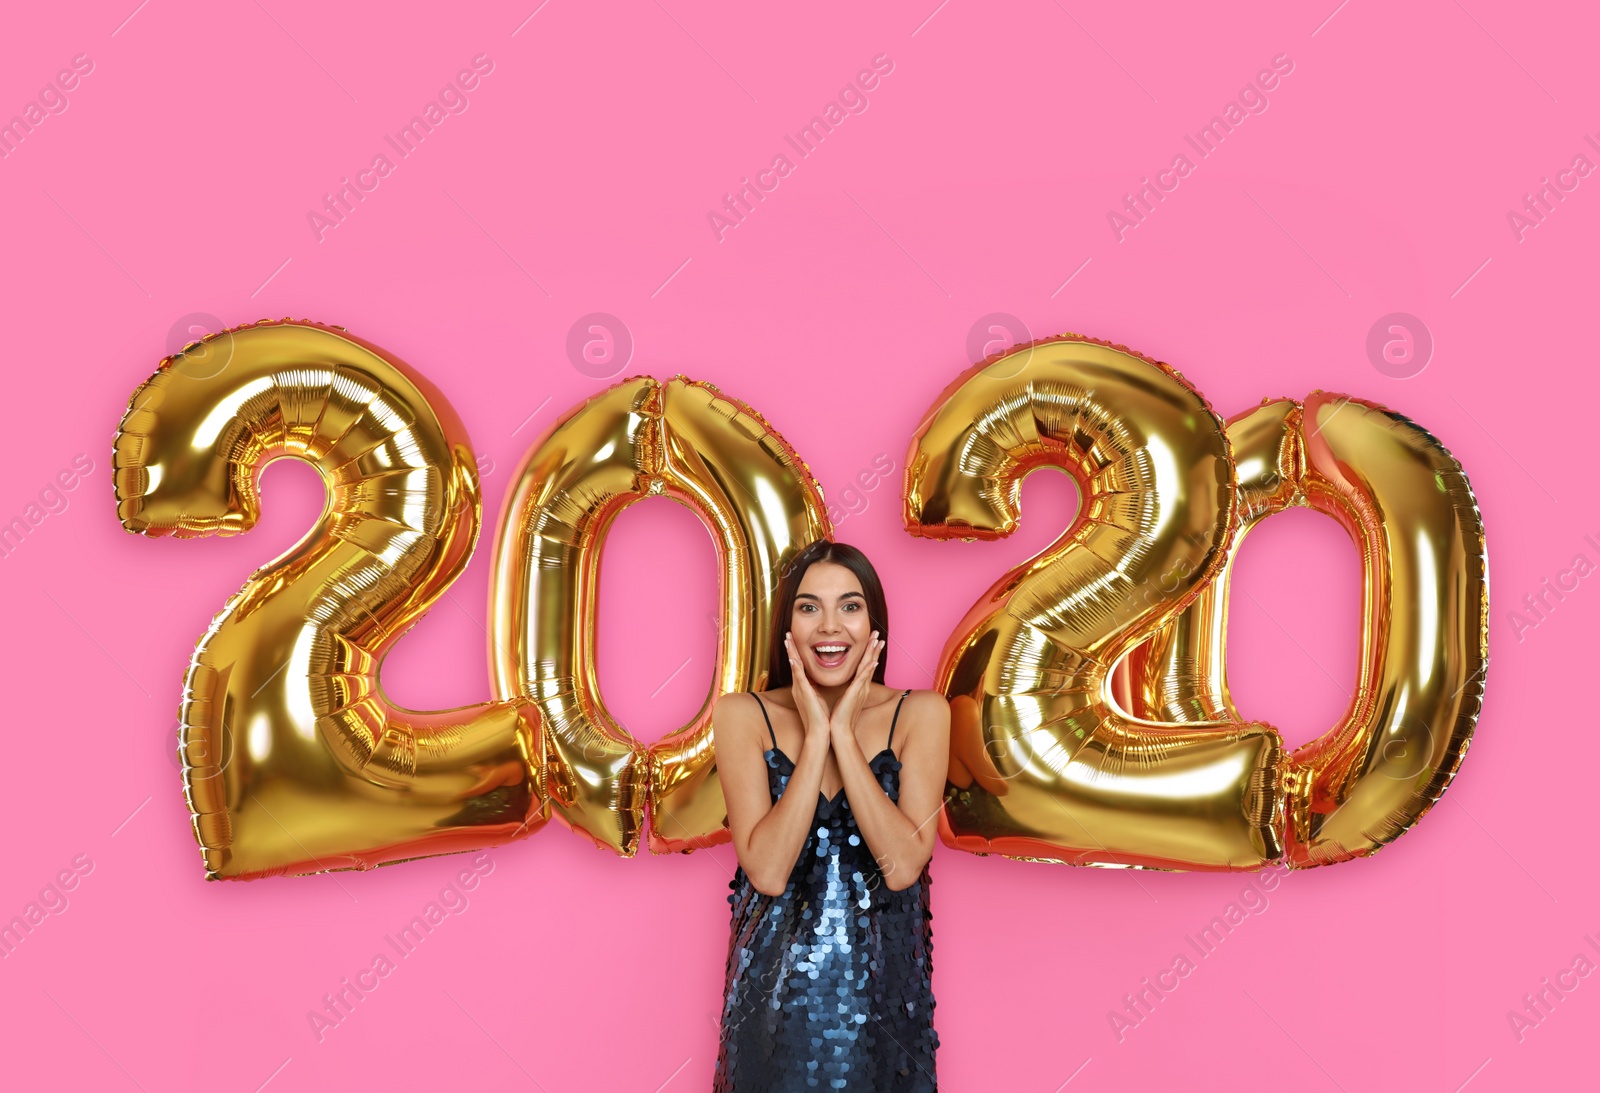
[1091, 720]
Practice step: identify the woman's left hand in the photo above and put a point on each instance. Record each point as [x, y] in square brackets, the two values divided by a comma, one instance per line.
[843, 720]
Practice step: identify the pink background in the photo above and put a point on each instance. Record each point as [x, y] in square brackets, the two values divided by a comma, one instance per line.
[178, 180]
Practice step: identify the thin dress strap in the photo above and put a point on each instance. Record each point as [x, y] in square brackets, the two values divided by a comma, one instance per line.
[892, 723]
[768, 720]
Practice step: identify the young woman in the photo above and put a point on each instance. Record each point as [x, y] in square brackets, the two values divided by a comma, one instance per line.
[833, 783]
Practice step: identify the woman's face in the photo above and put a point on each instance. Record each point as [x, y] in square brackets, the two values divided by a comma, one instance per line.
[830, 623]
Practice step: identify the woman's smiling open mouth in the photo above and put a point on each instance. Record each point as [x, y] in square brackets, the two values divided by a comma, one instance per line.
[831, 654]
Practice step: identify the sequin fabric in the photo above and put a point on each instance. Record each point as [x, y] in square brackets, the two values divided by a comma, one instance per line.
[829, 985]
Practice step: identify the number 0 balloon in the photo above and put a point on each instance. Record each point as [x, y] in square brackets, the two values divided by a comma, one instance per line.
[640, 438]
[1424, 637]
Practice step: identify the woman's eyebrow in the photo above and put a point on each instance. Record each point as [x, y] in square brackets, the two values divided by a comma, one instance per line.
[842, 596]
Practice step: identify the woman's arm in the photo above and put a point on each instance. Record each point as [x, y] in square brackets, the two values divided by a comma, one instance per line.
[901, 837]
[767, 837]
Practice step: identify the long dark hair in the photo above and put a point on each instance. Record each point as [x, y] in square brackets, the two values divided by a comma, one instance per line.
[824, 550]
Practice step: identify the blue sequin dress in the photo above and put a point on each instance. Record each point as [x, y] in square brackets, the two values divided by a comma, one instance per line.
[829, 986]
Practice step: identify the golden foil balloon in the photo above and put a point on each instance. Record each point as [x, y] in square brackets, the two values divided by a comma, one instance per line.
[294, 761]
[1424, 640]
[1044, 764]
[640, 438]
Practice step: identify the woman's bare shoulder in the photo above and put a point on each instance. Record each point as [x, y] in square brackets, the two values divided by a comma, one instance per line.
[733, 710]
[929, 706]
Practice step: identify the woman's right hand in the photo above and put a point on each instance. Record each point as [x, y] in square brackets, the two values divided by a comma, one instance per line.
[814, 717]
